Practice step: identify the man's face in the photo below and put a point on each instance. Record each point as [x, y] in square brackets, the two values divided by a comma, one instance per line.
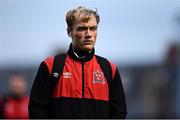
[84, 34]
[17, 85]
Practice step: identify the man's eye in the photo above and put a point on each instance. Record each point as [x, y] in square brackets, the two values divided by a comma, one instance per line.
[82, 28]
[93, 28]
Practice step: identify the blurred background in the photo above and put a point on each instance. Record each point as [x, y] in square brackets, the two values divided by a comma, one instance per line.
[141, 36]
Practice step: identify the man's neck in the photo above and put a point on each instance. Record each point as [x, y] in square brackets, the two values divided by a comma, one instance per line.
[80, 53]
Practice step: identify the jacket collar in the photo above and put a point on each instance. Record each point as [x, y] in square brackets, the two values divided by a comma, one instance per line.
[71, 53]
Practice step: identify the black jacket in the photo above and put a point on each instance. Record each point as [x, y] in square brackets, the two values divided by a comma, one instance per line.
[81, 92]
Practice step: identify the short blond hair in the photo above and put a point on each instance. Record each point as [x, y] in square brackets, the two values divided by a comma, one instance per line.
[80, 13]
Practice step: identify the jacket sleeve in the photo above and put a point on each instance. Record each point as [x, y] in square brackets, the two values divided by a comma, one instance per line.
[40, 93]
[118, 107]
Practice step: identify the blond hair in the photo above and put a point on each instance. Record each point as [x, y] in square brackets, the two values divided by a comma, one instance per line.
[80, 13]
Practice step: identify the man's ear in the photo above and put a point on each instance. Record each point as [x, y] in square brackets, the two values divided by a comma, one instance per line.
[69, 32]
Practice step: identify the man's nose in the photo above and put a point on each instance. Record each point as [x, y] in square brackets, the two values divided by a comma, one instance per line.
[88, 33]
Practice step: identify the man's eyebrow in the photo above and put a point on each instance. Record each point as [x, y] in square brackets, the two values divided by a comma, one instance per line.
[87, 26]
[93, 26]
[82, 26]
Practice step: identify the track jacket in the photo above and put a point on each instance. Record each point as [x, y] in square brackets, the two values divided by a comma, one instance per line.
[81, 92]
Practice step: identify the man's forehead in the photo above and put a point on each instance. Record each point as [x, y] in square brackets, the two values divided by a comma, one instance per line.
[86, 21]
[82, 23]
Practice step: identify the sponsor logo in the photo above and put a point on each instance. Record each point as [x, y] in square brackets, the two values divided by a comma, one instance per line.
[55, 74]
[66, 75]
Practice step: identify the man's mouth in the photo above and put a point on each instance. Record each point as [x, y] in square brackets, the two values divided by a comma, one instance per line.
[87, 42]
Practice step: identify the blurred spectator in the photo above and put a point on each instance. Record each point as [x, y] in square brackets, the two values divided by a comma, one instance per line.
[172, 70]
[16, 103]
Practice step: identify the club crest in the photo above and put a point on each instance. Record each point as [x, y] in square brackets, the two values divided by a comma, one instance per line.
[98, 77]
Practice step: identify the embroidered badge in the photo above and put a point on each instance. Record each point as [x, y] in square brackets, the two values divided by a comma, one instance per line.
[98, 77]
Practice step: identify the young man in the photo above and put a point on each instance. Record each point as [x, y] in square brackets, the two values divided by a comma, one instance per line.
[88, 86]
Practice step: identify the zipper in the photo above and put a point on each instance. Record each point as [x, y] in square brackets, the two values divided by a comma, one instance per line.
[83, 100]
[83, 80]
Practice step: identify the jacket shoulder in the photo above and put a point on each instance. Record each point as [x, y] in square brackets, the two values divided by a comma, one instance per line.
[49, 63]
[113, 66]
